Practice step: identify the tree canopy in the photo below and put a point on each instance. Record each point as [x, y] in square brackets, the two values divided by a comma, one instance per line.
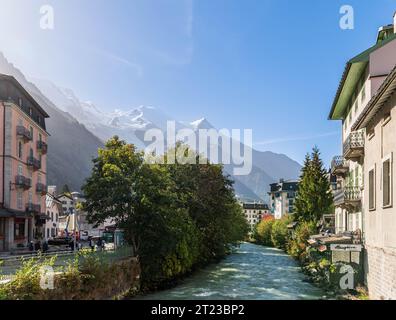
[176, 216]
[314, 197]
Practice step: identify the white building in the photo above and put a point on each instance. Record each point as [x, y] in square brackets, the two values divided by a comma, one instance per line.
[54, 212]
[282, 197]
[365, 103]
[254, 212]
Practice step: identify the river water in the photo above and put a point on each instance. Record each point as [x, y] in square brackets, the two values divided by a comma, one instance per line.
[252, 273]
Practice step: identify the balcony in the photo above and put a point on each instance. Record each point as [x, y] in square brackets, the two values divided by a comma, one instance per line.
[34, 163]
[24, 133]
[339, 166]
[354, 146]
[33, 208]
[42, 146]
[348, 197]
[23, 182]
[41, 188]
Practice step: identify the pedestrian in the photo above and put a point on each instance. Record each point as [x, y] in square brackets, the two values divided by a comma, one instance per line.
[103, 245]
[99, 244]
[31, 246]
[91, 244]
[71, 245]
[45, 246]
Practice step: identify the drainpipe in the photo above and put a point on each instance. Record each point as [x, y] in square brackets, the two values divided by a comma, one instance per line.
[3, 156]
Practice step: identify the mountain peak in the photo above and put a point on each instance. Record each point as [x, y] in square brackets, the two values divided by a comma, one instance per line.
[201, 124]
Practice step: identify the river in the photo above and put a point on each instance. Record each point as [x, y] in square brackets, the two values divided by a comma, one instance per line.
[252, 273]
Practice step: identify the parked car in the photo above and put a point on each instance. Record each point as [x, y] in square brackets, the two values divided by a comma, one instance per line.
[60, 241]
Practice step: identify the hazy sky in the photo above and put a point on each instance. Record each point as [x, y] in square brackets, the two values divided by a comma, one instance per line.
[269, 65]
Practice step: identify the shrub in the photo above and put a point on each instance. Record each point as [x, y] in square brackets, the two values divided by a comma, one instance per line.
[279, 232]
[262, 234]
[297, 246]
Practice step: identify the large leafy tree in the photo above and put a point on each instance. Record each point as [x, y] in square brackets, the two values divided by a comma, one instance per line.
[175, 215]
[314, 196]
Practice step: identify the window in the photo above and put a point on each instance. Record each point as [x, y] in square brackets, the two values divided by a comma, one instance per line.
[20, 102]
[20, 148]
[20, 200]
[30, 111]
[40, 137]
[31, 132]
[20, 170]
[372, 189]
[52, 216]
[387, 182]
[19, 228]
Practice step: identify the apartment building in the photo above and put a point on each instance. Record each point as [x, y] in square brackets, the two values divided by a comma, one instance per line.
[254, 212]
[365, 104]
[282, 197]
[23, 149]
[54, 213]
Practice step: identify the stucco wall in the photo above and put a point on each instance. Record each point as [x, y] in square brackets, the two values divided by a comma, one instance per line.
[380, 224]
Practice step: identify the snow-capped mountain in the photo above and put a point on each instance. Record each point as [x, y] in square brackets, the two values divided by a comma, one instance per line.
[71, 146]
[132, 124]
[76, 125]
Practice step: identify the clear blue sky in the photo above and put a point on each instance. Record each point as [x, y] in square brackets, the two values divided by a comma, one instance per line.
[269, 65]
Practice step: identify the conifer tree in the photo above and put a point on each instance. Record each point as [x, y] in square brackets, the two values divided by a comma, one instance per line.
[314, 196]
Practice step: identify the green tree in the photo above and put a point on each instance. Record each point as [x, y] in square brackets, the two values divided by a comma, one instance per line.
[141, 198]
[314, 197]
[175, 216]
[280, 232]
[262, 232]
[208, 195]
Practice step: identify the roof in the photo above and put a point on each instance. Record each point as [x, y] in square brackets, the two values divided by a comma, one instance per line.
[65, 195]
[350, 78]
[257, 206]
[385, 91]
[24, 91]
[289, 185]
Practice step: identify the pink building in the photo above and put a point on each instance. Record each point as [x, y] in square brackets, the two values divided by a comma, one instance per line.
[23, 149]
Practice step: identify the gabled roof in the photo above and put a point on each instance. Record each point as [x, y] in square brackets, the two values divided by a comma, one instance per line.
[350, 78]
